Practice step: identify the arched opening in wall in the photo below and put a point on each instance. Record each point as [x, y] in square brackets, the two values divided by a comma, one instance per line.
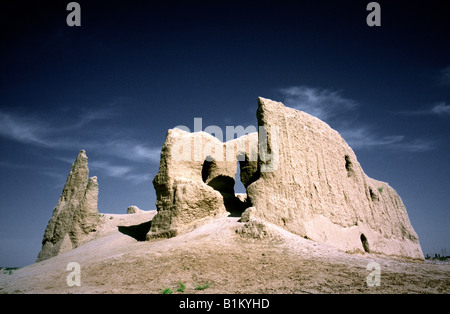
[225, 185]
[239, 187]
[139, 232]
[209, 165]
[365, 243]
[248, 170]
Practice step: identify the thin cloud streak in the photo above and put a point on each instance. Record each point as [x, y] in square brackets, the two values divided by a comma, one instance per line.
[24, 129]
[111, 170]
[7, 164]
[106, 168]
[438, 109]
[364, 138]
[133, 151]
[416, 146]
[332, 106]
[121, 172]
[444, 78]
[441, 109]
[35, 131]
[92, 115]
[321, 103]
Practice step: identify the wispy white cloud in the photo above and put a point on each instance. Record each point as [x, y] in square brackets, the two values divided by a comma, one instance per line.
[58, 178]
[141, 152]
[332, 106]
[36, 131]
[119, 171]
[138, 178]
[28, 130]
[55, 175]
[321, 103]
[111, 170]
[110, 146]
[133, 150]
[92, 115]
[418, 145]
[444, 78]
[127, 172]
[437, 109]
[8, 164]
[441, 109]
[363, 137]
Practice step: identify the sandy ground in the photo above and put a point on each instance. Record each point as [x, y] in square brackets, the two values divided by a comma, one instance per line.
[216, 257]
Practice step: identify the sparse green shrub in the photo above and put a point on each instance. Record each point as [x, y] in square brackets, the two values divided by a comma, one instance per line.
[203, 287]
[182, 287]
[8, 270]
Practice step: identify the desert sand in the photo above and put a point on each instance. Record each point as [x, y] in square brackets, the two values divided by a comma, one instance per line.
[215, 255]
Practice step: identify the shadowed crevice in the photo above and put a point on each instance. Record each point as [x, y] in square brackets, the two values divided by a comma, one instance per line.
[365, 243]
[137, 232]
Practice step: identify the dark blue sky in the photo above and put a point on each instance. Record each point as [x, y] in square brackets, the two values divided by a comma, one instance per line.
[134, 69]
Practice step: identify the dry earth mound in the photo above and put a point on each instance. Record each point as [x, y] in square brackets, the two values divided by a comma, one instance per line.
[220, 258]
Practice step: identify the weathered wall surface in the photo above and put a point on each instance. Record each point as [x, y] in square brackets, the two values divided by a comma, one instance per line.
[195, 181]
[305, 178]
[319, 190]
[76, 215]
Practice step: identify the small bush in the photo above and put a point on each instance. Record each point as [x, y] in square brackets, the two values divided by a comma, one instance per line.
[167, 291]
[182, 287]
[205, 286]
[8, 270]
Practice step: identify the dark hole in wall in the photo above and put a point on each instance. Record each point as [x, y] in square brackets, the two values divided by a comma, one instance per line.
[365, 243]
[225, 185]
[373, 195]
[349, 166]
[138, 232]
[238, 184]
[249, 170]
[208, 165]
